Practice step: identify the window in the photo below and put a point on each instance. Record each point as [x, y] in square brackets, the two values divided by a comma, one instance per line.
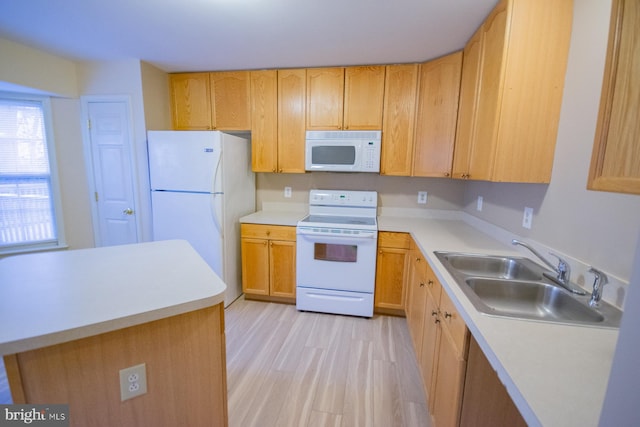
[29, 217]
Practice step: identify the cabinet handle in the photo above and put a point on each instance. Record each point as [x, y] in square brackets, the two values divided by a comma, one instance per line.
[437, 320]
[434, 312]
[447, 174]
[430, 283]
[268, 232]
[265, 243]
[273, 170]
[422, 284]
[417, 259]
[447, 315]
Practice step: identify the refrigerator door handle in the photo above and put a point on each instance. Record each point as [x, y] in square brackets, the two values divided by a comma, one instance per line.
[216, 212]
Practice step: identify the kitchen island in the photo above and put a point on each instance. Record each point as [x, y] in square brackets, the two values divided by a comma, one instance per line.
[72, 320]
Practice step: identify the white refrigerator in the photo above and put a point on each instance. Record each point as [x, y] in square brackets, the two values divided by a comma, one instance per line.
[201, 184]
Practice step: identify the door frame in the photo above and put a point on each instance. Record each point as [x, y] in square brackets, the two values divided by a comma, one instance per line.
[88, 160]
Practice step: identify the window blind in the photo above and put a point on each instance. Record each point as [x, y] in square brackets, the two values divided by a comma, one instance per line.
[27, 214]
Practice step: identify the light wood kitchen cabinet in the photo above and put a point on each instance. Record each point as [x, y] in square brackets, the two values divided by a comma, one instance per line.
[401, 82]
[392, 266]
[268, 261]
[190, 101]
[348, 98]
[264, 120]
[440, 338]
[216, 100]
[615, 161]
[292, 85]
[472, 56]
[417, 297]
[486, 402]
[278, 120]
[436, 118]
[518, 92]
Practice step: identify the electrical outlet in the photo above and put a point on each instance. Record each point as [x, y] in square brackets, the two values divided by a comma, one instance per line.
[133, 381]
[479, 203]
[527, 218]
[422, 197]
[287, 192]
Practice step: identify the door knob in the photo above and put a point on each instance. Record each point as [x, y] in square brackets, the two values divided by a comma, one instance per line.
[128, 211]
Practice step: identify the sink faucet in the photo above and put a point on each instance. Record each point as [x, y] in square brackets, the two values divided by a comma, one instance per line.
[598, 283]
[562, 270]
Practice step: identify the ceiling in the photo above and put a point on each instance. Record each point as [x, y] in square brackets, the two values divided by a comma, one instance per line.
[204, 35]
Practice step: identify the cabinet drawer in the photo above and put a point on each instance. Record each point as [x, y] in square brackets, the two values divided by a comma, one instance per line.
[388, 239]
[452, 320]
[273, 232]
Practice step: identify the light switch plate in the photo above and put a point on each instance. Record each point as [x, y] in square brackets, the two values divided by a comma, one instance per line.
[479, 204]
[287, 192]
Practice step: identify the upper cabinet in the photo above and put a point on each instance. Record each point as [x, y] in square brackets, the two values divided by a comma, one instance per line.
[615, 162]
[348, 98]
[398, 120]
[512, 84]
[438, 96]
[190, 101]
[278, 120]
[217, 100]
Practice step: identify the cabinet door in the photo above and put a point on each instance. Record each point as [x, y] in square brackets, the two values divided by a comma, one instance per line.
[483, 150]
[190, 101]
[437, 116]
[363, 97]
[230, 92]
[325, 96]
[486, 402]
[429, 355]
[390, 278]
[282, 256]
[417, 300]
[398, 120]
[615, 162]
[264, 120]
[291, 120]
[255, 266]
[472, 55]
[447, 399]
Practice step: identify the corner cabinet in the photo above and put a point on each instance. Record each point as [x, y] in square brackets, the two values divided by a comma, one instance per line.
[268, 262]
[392, 267]
[512, 83]
[217, 100]
[615, 162]
[348, 98]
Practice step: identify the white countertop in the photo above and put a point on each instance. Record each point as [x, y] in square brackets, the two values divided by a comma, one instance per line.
[274, 217]
[54, 297]
[556, 374]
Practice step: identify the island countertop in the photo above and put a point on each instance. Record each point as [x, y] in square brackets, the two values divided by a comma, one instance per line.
[54, 297]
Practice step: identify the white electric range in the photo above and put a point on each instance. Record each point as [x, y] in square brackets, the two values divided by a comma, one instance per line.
[336, 253]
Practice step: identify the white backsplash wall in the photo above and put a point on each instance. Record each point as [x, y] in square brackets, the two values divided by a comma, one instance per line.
[393, 191]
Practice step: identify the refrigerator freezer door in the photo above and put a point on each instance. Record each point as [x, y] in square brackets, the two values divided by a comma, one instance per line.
[190, 216]
[184, 161]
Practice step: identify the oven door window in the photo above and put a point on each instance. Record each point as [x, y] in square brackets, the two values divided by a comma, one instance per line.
[335, 252]
[333, 155]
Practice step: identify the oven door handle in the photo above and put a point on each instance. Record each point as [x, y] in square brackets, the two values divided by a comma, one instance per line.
[362, 235]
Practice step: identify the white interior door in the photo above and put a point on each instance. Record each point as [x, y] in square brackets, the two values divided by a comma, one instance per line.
[113, 178]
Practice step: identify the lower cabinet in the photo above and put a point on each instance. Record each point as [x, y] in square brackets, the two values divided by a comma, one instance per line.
[440, 339]
[461, 387]
[486, 401]
[392, 266]
[268, 262]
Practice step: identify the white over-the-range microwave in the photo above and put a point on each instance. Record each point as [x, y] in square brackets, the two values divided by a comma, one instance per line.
[343, 151]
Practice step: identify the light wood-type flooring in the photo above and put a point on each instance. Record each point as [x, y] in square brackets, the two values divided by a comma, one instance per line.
[290, 368]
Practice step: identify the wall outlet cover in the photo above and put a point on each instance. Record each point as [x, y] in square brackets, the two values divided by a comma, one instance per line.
[287, 192]
[133, 381]
[422, 197]
[527, 218]
[479, 204]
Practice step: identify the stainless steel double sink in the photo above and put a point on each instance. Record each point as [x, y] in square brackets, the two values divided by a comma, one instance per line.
[519, 288]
